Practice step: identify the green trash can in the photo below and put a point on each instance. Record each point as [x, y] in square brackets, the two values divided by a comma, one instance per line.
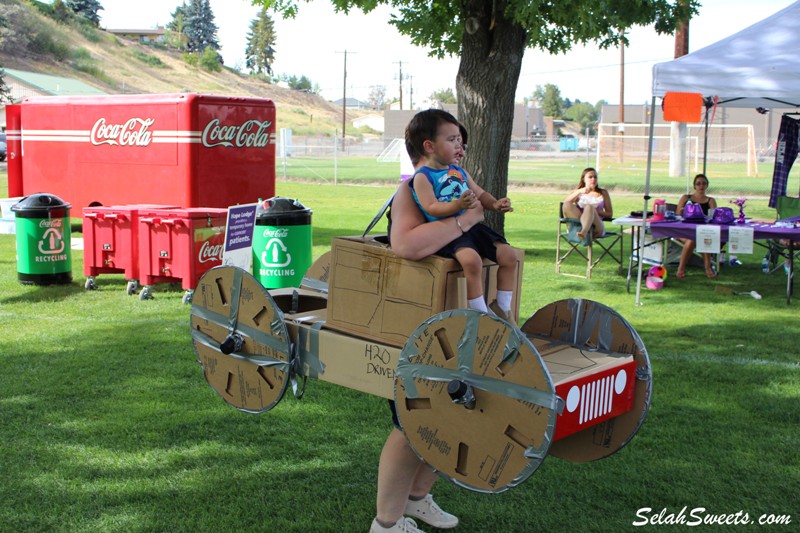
[281, 243]
[43, 240]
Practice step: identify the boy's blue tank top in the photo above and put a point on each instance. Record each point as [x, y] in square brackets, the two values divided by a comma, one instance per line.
[448, 185]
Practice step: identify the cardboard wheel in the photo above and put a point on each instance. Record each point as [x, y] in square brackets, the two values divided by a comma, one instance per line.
[475, 400]
[587, 324]
[240, 339]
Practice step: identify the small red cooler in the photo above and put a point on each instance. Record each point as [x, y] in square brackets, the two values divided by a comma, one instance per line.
[179, 245]
[111, 244]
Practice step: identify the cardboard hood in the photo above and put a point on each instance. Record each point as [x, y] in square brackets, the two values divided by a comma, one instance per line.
[756, 67]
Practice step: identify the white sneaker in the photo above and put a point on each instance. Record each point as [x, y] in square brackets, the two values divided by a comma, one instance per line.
[404, 525]
[430, 513]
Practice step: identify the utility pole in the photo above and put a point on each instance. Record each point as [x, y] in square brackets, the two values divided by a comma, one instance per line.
[678, 130]
[411, 92]
[401, 83]
[621, 100]
[344, 98]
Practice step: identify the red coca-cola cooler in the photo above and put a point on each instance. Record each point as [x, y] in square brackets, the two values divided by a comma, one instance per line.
[186, 149]
[111, 242]
[179, 245]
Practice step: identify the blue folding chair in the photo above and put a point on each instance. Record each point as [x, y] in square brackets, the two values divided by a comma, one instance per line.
[568, 229]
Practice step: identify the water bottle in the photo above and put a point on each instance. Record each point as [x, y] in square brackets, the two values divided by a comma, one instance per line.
[765, 265]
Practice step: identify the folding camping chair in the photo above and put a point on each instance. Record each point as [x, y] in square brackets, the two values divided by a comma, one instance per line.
[778, 251]
[568, 229]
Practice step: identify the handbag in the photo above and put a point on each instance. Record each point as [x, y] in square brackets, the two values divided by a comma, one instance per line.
[722, 216]
[693, 213]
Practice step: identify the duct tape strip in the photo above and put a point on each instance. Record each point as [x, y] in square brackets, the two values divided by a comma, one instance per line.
[236, 289]
[314, 285]
[493, 385]
[466, 355]
[270, 340]
[260, 360]
[309, 359]
[595, 318]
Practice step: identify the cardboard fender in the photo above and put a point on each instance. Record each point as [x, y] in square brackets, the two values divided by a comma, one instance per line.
[589, 325]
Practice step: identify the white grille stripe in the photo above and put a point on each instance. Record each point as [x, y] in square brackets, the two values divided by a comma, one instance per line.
[596, 399]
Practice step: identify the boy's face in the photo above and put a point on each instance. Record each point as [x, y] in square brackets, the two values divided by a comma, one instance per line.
[445, 148]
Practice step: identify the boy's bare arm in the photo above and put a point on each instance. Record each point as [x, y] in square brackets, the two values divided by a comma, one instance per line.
[433, 206]
[489, 202]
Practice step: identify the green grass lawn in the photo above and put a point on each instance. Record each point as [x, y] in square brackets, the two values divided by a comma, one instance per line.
[108, 425]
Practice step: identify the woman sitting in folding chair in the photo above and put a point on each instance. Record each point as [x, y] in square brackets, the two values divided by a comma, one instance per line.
[589, 203]
[708, 204]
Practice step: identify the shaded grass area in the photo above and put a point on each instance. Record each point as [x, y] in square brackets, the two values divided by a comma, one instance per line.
[108, 425]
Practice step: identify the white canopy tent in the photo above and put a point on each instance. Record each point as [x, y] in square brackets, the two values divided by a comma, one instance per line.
[756, 67]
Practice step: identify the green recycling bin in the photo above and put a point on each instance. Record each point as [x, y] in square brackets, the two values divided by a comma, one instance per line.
[281, 243]
[43, 240]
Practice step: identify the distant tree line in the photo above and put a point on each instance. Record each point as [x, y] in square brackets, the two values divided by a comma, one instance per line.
[552, 105]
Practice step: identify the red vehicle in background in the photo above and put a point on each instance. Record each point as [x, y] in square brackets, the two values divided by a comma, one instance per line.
[189, 150]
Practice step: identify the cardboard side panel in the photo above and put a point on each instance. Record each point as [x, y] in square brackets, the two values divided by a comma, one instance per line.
[413, 283]
[347, 361]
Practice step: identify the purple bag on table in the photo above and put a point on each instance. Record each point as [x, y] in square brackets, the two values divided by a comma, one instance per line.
[693, 213]
[722, 216]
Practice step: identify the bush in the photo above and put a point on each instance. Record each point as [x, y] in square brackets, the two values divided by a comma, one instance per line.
[210, 60]
[44, 44]
[81, 54]
[191, 59]
[87, 28]
[148, 59]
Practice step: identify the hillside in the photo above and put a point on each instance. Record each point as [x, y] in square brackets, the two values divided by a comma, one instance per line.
[118, 65]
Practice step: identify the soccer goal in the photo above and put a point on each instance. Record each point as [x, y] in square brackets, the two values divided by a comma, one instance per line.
[618, 144]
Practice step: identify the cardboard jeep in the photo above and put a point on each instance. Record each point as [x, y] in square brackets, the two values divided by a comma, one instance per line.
[481, 400]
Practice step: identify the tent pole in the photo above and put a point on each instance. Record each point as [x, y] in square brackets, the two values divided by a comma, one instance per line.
[705, 140]
[643, 229]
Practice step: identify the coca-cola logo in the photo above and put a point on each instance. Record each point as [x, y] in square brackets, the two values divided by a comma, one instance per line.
[210, 252]
[51, 223]
[281, 233]
[134, 132]
[250, 134]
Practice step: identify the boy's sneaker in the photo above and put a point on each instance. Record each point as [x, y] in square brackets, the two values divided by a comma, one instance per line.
[499, 312]
[430, 513]
[404, 525]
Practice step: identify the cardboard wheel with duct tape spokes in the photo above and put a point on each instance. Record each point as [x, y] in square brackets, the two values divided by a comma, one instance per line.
[475, 400]
[591, 326]
[240, 339]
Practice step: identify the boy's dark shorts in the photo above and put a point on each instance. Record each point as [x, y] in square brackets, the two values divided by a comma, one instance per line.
[480, 238]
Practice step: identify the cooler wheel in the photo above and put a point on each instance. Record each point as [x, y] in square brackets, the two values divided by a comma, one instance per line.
[131, 287]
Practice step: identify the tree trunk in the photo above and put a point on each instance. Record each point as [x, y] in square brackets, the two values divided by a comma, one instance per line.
[491, 59]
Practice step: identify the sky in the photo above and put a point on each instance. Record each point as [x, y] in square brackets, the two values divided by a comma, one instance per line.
[314, 45]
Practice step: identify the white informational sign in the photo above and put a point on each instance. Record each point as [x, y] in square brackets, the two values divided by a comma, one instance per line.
[406, 166]
[239, 236]
[740, 240]
[707, 239]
